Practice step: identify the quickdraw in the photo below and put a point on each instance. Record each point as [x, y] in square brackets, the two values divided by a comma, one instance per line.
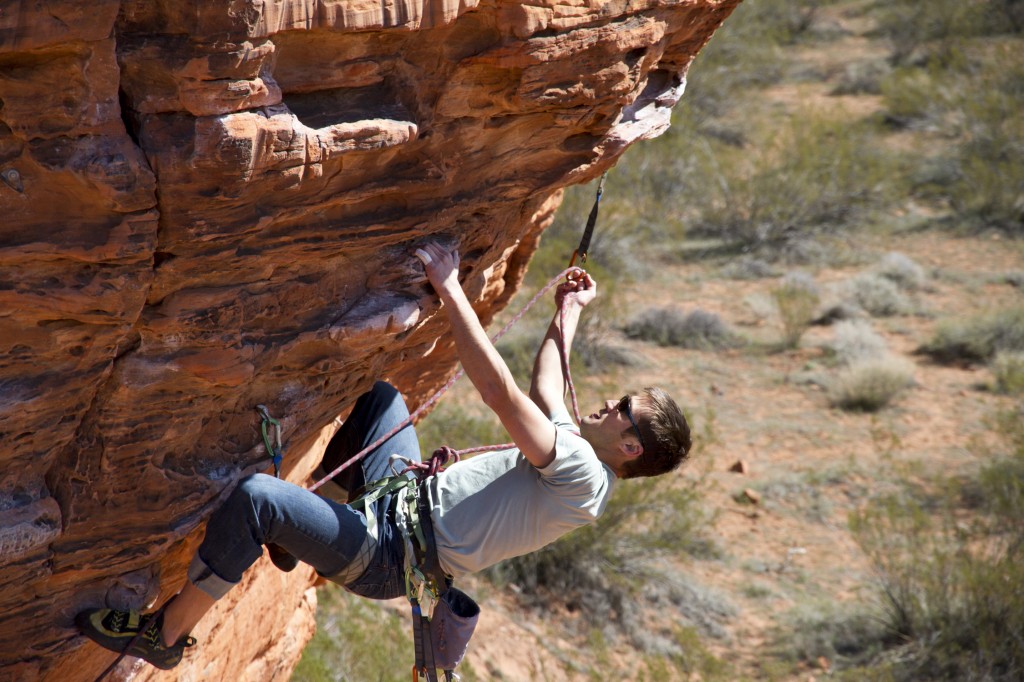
[588, 231]
[274, 449]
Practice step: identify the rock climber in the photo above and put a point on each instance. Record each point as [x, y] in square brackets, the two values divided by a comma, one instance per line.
[482, 510]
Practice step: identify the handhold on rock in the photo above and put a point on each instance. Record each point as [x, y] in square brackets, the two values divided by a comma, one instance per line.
[12, 179]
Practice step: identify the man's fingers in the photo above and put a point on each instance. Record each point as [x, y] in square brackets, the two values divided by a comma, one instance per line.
[424, 256]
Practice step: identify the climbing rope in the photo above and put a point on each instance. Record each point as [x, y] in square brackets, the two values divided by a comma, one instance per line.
[444, 455]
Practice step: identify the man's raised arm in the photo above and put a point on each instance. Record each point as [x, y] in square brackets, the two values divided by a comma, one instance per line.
[548, 386]
[529, 427]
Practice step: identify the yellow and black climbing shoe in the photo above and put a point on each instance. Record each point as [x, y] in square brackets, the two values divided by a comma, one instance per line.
[132, 634]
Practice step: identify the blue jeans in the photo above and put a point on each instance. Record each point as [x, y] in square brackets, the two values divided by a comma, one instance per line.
[326, 534]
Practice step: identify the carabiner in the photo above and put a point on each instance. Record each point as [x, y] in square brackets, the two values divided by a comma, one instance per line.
[274, 449]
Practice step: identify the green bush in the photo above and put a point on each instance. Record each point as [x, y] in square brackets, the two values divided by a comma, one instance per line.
[796, 298]
[808, 177]
[355, 640]
[952, 586]
[990, 184]
[698, 329]
[843, 634]
[1008, 370]
[870, 385]
[973, 96]
[937, 27]
[978, 338]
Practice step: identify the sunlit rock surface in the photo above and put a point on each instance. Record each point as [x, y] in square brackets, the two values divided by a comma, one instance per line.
[211, 204]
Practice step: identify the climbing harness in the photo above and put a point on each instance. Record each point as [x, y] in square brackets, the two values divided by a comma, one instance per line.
[274, 448]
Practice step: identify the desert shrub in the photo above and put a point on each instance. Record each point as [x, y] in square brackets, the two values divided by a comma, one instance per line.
[355, 640]
[973, 97]
[796, 298]
[977, 338]
[777, 195]
[937, 27]
[698, 329]
[861, 78]
[844, 635]
[1008, 370]
[747, 54]
[990, 184]
[912, 97]
[878, 295]
[902, 271]
[1014, 278]
[870, 385]
[748, 267]
[951, 585]
[855, 342]
[599, 570]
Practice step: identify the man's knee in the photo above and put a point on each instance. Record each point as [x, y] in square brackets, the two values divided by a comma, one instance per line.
[382, 390]
[257, 487]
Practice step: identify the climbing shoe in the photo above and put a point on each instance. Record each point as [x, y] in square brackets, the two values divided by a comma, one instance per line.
[132, 634]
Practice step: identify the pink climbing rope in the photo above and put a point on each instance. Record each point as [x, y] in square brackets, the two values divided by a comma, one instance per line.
[442, 456]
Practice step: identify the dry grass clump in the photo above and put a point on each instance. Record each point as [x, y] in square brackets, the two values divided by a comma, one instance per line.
[978, 338]
[796, 298]
[878, 295]
[870, 385]
[862, 78]
[855, 342]
[1008, 371]
[843, 634]
[902, 271]
[698, 329]
[748, 268]
[1014, 278]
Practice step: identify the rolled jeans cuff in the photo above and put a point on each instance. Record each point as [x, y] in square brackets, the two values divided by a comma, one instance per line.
[203, 577]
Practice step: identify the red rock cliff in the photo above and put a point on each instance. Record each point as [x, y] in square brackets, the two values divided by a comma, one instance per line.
[210, 204]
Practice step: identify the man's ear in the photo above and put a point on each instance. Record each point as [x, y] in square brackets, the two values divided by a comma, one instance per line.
[630, 448]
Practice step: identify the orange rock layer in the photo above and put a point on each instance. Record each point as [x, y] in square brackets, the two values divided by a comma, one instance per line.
[209, 204]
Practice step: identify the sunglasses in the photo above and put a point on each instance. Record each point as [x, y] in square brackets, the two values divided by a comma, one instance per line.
[623, 406]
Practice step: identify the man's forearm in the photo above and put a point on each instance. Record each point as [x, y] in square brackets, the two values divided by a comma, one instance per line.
[548, 385]
[483, 364]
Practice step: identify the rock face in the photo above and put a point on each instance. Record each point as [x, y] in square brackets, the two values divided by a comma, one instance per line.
[211, 204]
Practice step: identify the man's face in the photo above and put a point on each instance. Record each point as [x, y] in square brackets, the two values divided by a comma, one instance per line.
[608, 423]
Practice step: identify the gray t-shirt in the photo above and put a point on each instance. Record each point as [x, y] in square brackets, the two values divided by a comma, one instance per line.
[497, 505]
